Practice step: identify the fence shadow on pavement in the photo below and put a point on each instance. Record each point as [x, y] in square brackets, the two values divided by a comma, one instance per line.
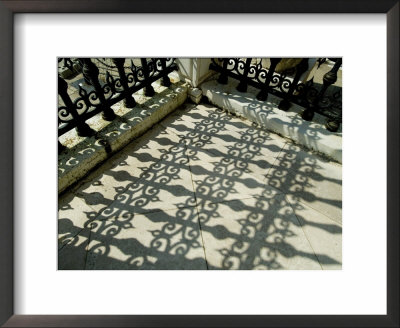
[203, 190]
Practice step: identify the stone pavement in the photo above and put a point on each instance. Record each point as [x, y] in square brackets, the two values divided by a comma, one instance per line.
[205, 190]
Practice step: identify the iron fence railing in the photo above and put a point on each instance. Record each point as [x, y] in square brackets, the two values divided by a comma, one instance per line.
[99, 95]
[287, 85]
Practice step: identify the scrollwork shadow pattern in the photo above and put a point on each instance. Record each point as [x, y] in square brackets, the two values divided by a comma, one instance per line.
[229, 218]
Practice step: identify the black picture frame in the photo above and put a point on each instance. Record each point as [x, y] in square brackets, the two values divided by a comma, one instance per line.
[10, 7]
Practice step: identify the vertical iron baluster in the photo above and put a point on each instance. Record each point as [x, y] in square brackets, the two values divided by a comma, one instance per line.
[129, 100]
[223, 77]
[166, 82]
[300, 69]
[82, 128]
[84, 72]
[263, 94]
[329, 79]
[92, 72]
[148, 90]
[333, 123]
[242, 87]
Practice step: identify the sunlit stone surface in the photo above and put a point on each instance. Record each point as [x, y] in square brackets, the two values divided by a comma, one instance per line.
[205, 190]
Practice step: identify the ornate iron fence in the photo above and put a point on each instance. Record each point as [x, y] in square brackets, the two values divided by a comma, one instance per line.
[99, 96]
[286, 84]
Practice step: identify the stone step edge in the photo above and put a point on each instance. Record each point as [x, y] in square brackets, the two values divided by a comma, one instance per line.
[75, 163]
[311, 135]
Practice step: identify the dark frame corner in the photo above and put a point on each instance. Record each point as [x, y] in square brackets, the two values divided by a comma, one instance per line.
[10, 7]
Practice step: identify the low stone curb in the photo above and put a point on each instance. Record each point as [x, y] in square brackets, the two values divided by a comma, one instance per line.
[75, 162]
[312, 135]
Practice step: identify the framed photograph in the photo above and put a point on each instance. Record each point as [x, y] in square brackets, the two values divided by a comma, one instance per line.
[71, 250]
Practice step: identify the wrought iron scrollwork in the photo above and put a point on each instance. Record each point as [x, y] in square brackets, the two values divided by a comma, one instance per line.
[301, 68]
[91, 73]
[146, 69]
[68, 114]
[268, 78]
[285, 84]
[122, 79]
[328, 79]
